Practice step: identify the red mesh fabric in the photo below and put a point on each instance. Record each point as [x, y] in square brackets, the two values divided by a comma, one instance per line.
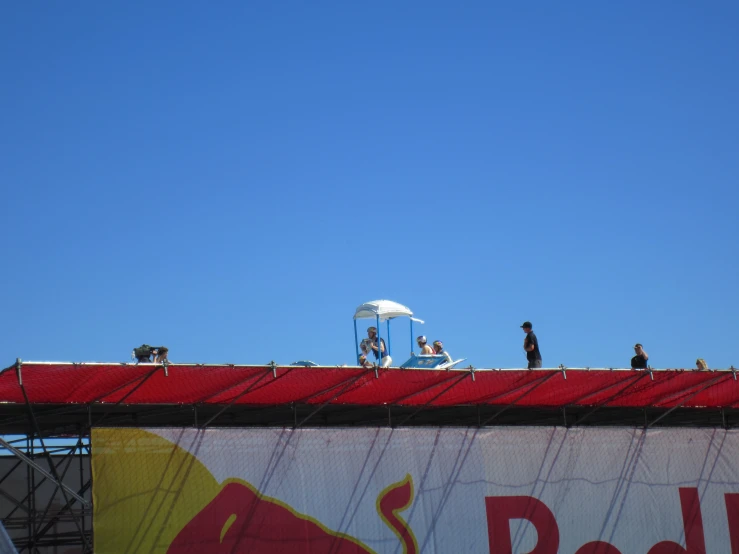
[221, 384]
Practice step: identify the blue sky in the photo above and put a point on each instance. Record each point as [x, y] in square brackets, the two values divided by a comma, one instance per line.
[232, 180]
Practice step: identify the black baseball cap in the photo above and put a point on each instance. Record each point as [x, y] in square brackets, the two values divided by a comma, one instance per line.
[527, 324]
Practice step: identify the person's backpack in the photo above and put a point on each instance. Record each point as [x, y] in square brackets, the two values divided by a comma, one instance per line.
[143, 351]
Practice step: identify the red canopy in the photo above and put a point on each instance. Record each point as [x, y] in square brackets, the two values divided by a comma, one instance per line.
[69, 383]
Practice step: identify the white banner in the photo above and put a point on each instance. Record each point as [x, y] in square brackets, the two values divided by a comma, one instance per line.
[505, 490]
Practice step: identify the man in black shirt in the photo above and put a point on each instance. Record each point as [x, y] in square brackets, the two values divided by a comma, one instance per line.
[640, 360]
[531, 346]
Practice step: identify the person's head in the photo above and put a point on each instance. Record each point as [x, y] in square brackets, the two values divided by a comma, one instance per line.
[371, 332]
[638, 348]
[701, 364]
[526, 326]
[438, 346]
[421, 341]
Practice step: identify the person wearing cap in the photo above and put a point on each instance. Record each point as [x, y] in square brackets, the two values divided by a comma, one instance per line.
[640, 360]
[423, 345]
[531, 346]
[378, 347]
[439, 351]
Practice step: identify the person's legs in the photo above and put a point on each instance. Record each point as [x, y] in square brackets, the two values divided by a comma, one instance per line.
[386, 361]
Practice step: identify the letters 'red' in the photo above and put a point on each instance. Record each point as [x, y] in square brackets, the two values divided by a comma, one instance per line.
[501, 509]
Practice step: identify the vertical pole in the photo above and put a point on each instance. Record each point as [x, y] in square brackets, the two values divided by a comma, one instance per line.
[82, 478]
[31, 493]
[412, 343]
[356, 342]
[379, 342]
[389, 351]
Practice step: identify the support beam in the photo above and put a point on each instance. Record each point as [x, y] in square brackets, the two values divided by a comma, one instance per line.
[33, 487]
[25, 459]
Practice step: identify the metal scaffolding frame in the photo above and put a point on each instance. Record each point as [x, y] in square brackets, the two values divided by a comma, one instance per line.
[50, 514]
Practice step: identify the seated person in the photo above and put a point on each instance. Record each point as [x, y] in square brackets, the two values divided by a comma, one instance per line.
[425, 348]
[640, 360]
[439, 350]
[378, 347]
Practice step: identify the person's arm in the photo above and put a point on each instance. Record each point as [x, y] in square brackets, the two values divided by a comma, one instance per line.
[528, 344]
[382, 346]
[643, 353]
[447, 356]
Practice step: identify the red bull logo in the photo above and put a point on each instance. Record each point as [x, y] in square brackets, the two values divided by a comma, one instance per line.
[240, 520]
[155, 496]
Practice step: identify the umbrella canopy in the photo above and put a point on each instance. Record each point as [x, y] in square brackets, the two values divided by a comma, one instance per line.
[386, 309]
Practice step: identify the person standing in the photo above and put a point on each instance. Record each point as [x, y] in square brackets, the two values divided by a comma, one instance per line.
[531, 346]
[640, 360]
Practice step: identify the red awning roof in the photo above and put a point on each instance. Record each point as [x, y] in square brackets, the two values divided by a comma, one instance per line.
[66, 383]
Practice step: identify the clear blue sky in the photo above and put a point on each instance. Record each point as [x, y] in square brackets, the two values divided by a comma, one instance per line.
[232, 179]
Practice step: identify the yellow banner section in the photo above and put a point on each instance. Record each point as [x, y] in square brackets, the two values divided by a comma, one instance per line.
[145, 490]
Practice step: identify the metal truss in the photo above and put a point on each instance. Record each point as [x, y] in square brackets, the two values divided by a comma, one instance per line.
[45, 487]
